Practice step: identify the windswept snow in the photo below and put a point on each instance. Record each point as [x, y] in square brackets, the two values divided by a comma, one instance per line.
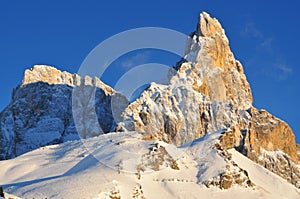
[110, 168]
[265, 180]
[209, 162]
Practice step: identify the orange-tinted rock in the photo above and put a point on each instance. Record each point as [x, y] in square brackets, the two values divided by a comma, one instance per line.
[223, 76]
[270, 133]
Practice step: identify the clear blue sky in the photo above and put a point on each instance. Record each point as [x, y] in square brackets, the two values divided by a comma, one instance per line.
[264, 36]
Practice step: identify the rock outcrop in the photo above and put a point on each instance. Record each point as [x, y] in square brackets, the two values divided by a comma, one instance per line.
[298, 149]
[216, 71]
[53, 76]
[233, 174]
[41, 110]
[205, 94]
[208, 92]
[268, 132]
[267, 141]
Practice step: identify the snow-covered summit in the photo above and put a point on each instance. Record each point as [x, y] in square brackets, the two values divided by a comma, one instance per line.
[209, 92]
[177, 139]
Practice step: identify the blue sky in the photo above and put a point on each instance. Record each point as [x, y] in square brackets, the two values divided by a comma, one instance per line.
[264, 36]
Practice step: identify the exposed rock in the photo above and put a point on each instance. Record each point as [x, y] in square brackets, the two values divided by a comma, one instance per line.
[298, 149]
[52, 76]
[266, 140]
[281, 164]
[41, 110]
[232, 174]
[156, 158]
[1, 192]
[207, 26]
[227, 140]
[204, 95]
[207, 92]
[114, 192]
[175, 115]
[270, 133]
[138, 192]
[215, 69]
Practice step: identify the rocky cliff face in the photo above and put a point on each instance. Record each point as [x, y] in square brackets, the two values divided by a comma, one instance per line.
[218, 75]
[41, 110]
[267, 141]
[207, 92]
[265, 131]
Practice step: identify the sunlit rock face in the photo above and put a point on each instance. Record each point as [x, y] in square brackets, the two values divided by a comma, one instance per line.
[215, 70]
[207, 91]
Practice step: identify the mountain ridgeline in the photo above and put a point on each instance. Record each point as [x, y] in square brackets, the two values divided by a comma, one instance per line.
[207, 92]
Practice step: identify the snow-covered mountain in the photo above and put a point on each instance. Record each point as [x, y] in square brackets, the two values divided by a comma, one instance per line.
[40, 112]
[198, 136]
[207, 93]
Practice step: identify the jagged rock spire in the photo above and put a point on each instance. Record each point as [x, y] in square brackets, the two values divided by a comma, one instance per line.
[216, 73]
[208, 92]
[207, 26]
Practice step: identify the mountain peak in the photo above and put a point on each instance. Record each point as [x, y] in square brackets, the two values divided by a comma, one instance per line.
[52, 76]
[47, 74]
[219, 75]
[208, 92]
[208, 26]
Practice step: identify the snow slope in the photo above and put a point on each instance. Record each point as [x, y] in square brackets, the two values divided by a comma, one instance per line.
[264, 179]
[125, 166]
[9, 196]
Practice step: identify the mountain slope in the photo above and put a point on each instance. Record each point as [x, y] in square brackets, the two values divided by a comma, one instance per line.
[70, 171]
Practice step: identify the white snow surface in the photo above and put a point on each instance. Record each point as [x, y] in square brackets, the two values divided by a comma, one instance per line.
[202, 150]
[272, 184]
[69, 170]
[9, 196]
